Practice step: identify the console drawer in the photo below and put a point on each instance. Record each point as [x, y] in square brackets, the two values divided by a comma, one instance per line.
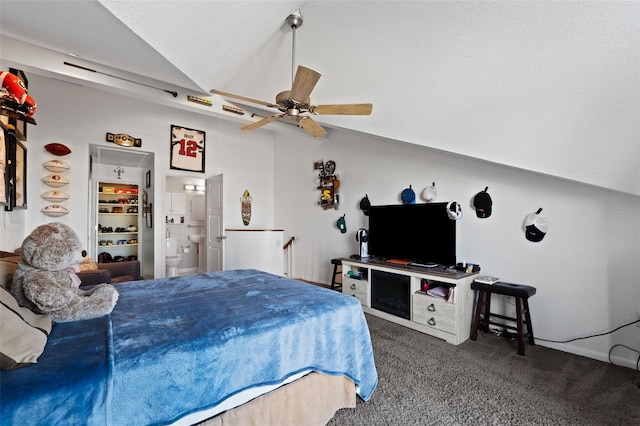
[434, 313]
[356, 288]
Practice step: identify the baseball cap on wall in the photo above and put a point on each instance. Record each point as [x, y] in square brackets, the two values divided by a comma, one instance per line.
[483, 204]
[408, 196]
[342, 224]
[365, 204]
[430, 192]
[535, 226]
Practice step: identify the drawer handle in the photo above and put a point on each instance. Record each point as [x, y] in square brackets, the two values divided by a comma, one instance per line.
[431, 308]
[431, 321]
[353, 286]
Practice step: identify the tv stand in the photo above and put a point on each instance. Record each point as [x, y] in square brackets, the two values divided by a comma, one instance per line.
[446, 320]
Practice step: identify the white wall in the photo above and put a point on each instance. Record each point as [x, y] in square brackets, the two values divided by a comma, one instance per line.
[78, 116]
[585, 270]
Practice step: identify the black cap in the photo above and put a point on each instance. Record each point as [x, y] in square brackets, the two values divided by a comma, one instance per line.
[482, 202]
[365, 204]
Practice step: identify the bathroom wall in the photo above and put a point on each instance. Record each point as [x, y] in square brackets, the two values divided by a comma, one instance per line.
[181, 230]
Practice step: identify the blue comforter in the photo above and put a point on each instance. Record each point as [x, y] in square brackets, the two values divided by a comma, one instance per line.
[180, 345]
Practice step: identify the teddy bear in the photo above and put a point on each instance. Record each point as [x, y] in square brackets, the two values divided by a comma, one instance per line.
[46, 281]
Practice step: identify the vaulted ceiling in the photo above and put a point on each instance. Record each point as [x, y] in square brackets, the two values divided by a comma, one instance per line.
[551, 87]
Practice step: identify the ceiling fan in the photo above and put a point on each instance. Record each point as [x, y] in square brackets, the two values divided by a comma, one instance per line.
[295, 104]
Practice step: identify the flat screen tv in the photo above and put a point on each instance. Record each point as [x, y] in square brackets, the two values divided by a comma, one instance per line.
[420, 233]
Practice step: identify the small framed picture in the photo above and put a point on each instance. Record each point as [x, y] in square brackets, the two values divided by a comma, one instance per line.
[187, 149]
[4, 172]
[21, 176]
[21, 129]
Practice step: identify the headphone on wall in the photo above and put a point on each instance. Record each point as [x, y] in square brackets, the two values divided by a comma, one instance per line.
[454, 211]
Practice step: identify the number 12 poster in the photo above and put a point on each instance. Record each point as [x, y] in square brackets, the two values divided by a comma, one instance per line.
[187, 149]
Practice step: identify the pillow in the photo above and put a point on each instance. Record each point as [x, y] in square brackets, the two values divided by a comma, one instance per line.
[23, 334]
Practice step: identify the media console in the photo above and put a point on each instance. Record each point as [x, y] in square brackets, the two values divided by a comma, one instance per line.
[392, 292]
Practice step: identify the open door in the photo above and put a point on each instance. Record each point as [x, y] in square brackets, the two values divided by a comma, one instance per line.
[214, 224]
[92, 223]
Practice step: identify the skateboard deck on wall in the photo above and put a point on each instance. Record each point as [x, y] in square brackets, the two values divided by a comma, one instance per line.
[245, 207]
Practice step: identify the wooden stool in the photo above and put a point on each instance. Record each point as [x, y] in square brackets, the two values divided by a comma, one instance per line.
[334, 283]
[521, 294]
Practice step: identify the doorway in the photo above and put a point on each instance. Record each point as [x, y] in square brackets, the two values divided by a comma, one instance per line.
[135, 167]
[193, 229]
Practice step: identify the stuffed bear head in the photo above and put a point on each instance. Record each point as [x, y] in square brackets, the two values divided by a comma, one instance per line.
[52, 247]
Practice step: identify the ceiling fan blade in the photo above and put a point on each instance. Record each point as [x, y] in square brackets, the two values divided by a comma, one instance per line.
[312, 127]
[260, 123]
[344, 109]
[242, 98]
[303, 83]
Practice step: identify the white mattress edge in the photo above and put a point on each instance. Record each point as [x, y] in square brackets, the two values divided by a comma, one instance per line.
[236, 400]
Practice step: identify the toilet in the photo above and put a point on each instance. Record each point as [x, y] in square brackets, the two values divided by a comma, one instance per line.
[172, 257]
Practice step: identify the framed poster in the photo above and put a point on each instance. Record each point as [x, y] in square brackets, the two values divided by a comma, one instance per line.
[21, 176]
[10, 142]
[187, 149]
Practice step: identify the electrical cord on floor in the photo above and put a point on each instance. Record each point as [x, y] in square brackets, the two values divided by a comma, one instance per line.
[610, 350]
[590, 336]
[635, 381]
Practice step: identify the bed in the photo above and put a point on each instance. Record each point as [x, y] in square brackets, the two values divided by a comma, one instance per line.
[190, 349]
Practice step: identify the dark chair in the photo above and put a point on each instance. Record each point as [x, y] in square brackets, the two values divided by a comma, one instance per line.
[337, 263]
[483, 315]
[111, 273]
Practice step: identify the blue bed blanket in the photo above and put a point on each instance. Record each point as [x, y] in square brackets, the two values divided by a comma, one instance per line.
[181, 345]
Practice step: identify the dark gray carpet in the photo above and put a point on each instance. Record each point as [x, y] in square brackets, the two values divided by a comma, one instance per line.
[426, 381]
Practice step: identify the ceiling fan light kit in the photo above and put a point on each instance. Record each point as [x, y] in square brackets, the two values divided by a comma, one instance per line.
[295, 104]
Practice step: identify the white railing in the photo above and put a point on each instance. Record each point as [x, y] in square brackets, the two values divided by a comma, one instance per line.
[288, 249]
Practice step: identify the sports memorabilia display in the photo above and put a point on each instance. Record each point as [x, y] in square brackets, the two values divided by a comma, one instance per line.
[17, 108]
[55, 196]
[57, 166]
[123, 139]
[55, 210]
[57, 149]
[55, 180]
[329, 184]
[13, 88]
[187, 149]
